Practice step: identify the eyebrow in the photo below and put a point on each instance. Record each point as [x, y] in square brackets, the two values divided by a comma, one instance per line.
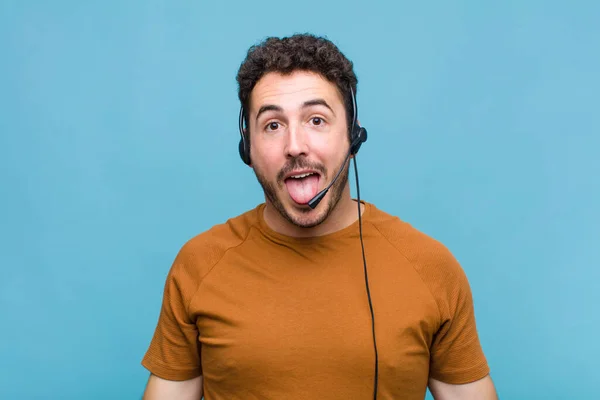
[268, 107]
[317, 102]
[309, 103]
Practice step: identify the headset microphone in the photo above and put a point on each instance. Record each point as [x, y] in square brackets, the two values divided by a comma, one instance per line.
[358, 139]
[319, 196]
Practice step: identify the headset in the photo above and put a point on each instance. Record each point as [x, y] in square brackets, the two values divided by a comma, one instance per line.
[358, 135]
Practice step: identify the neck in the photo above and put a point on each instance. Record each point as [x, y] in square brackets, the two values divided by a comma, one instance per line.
[342, 215]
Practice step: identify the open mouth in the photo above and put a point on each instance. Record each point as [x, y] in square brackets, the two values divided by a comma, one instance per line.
[303, 186]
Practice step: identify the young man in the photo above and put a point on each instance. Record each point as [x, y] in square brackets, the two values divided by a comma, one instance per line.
[281, 302]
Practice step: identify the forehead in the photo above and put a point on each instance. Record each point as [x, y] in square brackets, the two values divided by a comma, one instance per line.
[291, 90]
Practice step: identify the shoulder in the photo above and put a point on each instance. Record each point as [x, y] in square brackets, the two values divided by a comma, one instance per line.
[432, 260]
[199, 254]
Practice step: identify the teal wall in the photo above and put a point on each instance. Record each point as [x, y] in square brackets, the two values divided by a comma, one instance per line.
[118, 135]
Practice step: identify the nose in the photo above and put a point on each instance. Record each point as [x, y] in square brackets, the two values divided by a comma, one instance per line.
[297, 144]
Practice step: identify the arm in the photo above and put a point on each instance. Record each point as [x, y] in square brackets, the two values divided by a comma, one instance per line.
[482, 389]
[162, 389]
[173, 357]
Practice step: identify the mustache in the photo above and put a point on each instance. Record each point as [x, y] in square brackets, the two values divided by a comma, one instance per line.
[299, 163]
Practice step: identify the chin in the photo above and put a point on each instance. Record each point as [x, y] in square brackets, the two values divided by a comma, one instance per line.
[306, 218]
[302, 215]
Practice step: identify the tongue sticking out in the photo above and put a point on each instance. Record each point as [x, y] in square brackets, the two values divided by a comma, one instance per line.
[303, 189]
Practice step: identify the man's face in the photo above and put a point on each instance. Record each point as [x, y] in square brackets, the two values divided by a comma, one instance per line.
[299, 140]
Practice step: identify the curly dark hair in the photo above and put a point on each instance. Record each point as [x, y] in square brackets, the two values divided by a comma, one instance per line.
[305, 52]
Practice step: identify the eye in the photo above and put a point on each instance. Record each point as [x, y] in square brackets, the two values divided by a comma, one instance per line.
[272, 126]
[317, 121]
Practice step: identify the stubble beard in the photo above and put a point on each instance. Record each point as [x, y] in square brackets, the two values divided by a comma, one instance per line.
[303, 221]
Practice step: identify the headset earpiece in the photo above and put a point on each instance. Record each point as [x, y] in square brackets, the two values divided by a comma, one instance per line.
[243, 152]
[244, 146]
[358, 134]
[358, 139]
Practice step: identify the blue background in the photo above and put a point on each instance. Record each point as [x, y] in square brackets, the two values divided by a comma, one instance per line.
[118, 135]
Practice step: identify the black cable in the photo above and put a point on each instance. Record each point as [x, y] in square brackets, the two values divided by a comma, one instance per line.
[367, 282]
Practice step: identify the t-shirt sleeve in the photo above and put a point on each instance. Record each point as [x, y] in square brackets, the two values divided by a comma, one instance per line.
[174, 351]
[456, 356]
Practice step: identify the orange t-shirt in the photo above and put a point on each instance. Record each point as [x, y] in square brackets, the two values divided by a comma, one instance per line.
[265, 316]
